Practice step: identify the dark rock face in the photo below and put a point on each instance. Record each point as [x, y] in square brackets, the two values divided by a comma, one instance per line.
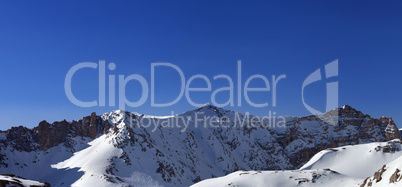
[21, 138]
[50, 135]
[392, 131]
[349, 112]
[89, 126]
[47, 135]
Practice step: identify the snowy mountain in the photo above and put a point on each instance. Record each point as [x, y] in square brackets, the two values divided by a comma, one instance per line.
[121, 148]
[12, 181]
[344, 166]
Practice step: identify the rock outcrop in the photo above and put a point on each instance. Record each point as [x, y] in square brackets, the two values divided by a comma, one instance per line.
[392, 131]
[47, 135]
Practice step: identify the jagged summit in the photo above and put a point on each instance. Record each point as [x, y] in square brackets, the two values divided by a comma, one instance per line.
[346, 112]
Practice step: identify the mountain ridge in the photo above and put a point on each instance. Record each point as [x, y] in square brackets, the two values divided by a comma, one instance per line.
[169, 156]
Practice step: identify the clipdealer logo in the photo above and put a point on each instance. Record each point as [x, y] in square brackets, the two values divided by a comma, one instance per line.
[243, 90]
[332, 88]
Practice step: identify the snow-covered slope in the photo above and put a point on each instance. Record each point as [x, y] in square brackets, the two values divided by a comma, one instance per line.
[358, 161]
[13, 181]
[343, 166]
[37, 164]
[92, 161]
[287, 178]
[120, 148]
[387, 175]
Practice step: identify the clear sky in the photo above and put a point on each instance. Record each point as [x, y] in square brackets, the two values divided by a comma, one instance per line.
[41, 40]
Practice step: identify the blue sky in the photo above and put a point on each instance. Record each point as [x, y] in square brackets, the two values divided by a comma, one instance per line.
[41, 40]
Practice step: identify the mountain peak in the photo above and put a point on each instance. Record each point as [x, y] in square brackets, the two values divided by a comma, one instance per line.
[346, 111]
[208, 106]
[348, 108]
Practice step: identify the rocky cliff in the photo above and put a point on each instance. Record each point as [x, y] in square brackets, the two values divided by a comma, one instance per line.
[47, 135]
